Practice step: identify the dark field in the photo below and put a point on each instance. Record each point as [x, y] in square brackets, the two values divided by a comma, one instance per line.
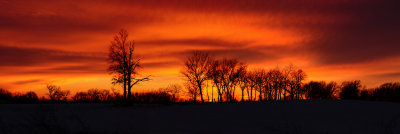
[275, 117]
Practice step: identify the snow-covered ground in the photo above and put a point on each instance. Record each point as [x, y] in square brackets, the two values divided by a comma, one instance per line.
[276, 117]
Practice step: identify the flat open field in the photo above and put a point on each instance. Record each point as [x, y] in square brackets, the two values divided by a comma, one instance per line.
[276, 117]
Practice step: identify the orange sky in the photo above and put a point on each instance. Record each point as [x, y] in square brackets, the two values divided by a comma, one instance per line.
[66, 42]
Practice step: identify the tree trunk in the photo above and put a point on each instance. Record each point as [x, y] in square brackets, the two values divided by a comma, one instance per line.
[242, 95]
[233, 95]
[251, 94]
[124, 87]
[201, 93]
[248, 95]
[212, 94]
[208, 96]
[129, 85]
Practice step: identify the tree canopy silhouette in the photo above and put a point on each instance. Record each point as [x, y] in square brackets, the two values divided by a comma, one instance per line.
[350, 90]
[386, 92]
[320, 90]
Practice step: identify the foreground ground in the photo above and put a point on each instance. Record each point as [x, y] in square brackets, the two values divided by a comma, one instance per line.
[277, 117]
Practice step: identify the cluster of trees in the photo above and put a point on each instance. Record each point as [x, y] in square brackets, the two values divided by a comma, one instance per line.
[204, 72]
[8, 97]
[227, 75]
[168, 94]
[96, 95]
[353, 90]
[385, 92]
[320, 90]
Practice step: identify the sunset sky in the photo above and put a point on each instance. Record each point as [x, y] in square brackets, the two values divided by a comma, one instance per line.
[66, 42]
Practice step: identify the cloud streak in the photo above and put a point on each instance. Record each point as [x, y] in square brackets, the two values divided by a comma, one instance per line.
[17, 56]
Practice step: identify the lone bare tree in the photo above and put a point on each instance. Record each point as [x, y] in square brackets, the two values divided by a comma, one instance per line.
[123, 65]
[195, 70]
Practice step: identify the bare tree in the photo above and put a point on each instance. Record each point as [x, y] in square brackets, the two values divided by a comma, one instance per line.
[232, 69]
[268, 90]
[243, 82]
[226, 75]
[195, 70]
[123, 65]
[215, 75]
[56, 94]
[252, 82]
[259, 77]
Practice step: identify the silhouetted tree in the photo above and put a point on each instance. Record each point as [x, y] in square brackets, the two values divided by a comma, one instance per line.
[226, 75]
[260, 81]
[214, 73]
[296, 79]
[232, 70]
[56, 94]
[320, 90]
[350, 90]
[5, 96]
[195, 70]
[243, 82]
[123, 64]
[252, 82]
[386, 92]
[30, 97]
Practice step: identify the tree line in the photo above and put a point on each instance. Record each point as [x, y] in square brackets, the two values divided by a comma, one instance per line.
[203, 72]
[228, 75]
[55, 94]
[313, 90]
